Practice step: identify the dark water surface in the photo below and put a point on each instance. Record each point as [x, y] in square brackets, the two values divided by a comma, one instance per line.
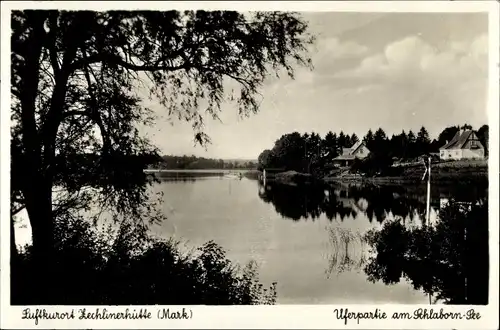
[307, 239]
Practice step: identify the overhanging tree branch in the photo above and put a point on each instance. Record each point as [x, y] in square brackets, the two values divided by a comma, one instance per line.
[117, 60]
[95, 74]
[94, 116]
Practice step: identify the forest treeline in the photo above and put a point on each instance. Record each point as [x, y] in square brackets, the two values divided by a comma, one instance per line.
[311, 153]
[194, 163]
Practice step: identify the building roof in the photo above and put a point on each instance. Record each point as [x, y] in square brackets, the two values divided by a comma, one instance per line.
[459, 140]
[345, 157]
[351, 150]
[348, 153]
[356, 146]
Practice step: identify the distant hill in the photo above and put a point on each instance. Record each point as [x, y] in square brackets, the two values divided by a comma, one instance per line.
[240, 161]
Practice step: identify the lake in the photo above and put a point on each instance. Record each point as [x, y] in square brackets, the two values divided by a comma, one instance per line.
[307, 239]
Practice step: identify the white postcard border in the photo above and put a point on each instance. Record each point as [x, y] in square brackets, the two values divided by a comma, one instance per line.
[283, 316]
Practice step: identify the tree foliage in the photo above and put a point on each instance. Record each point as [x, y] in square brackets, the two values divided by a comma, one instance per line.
[307, 152]
[125, 266]
[311, 153]
[484, 136]
[79, 81]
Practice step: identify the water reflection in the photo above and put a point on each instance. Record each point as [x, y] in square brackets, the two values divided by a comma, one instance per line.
[348, 251]
[376, 202]
[448, 259]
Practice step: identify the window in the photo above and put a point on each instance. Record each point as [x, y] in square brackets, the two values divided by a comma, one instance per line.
[361, 150]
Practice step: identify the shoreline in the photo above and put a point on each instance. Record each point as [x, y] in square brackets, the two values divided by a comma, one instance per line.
[403, 180]
[381, 180]
[444, 173]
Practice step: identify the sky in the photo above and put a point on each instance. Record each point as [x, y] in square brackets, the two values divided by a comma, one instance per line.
[397, 71]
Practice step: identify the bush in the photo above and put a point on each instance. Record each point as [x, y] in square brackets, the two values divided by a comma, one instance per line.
[94, 267]
[374, 164]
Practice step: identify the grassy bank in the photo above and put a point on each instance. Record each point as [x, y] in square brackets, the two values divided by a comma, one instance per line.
[292, 177]
[452, 171]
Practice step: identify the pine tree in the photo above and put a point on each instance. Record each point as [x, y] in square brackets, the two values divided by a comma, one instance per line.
[369, 139]
[403, 147]
[379, 141]
[411, 137]
[341, 140]
[423, 142]
[329, 146]
[354, 139]
[423, 135]
[348, 142]
[411, 146]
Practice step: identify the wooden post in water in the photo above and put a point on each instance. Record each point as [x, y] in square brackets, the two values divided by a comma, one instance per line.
[428, 211]
[428, 174]
[467, 252]
[429, 193]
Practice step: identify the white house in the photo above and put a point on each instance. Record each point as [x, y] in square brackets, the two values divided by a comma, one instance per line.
[464, 145]
[358, 150]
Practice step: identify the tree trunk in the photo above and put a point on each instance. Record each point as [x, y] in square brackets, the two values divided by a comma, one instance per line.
[13, 247]
[36, 192]
[14, 265]
[39, 209]
[14, 258]
[42, 224]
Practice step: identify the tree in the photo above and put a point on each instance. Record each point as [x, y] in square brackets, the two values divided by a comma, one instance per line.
[398, 145]
[466, 126]
[331, 148]
[434, 146]
[483, 136]
[265, 159]
[354, 139]
[377, 163]
[423, 141]
[76, 90]
[411, 146]
[368, 139]
[348, 142]
[341, 140]
[447, 135]
[423, 135]
[411, 137]
[379, 143]
[313, 151]
[289, 151]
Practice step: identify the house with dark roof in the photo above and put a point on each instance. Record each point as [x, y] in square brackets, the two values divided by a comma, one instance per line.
[464, 145]
[357, 151]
